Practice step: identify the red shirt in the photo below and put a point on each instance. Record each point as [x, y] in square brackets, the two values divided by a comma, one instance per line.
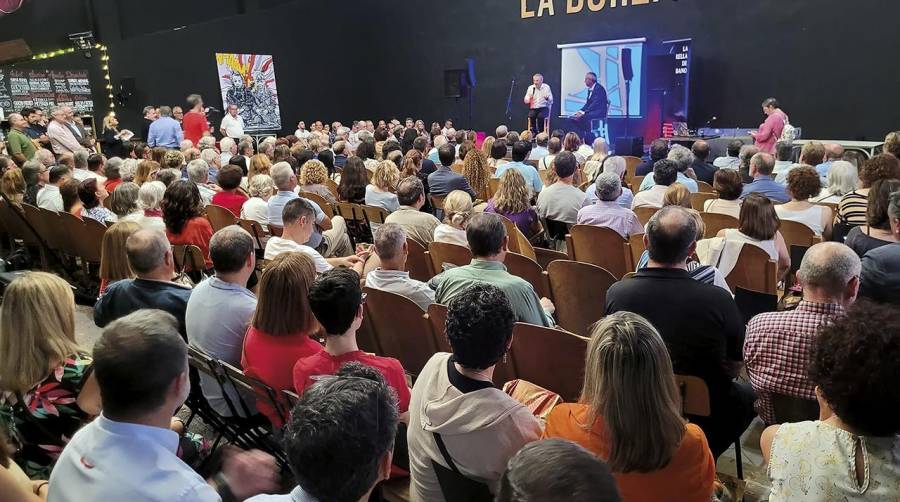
[111, 185]
[197, 231]
[271, 360]
[322, 363]
[231, 201]
[194, 125]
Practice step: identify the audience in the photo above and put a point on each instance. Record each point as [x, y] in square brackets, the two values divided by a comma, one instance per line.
[354, 180]
[71, 202]
[457, 211]
[700, 323]
[313, 179]
[784, 161]
[256, 208]
[381, 192]
[392, 250]
[849, 453]
[182, 212]
[443, 180]
[92, 194]
[520, 152]
[231, 197]
[659, 150]
[833, 152]
[458, 419]
[761, 165]
[746, 155]
[489, 244]
[47, 387]
[727, 184]
[113, 257]
[758, 226]
[417, 224]
[220, 308]
[49, 197]
[677, 195]
[777, 346]
[280, 330]
[683, 159]
[615, 165]
[877, 231]
[629, 415]
[606, 212]
[129, 452]
[477, 172]
[731, 159]
[513, 201]
[665, 172]
[879, 280]
[702, 169]
[852, 207]
[802, 184]
[561, 201]
[842, 179]
[12, 184]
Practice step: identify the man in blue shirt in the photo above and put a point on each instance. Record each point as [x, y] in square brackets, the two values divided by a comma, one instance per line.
[833, 152]
[540, 150]
[443, 180]
[761, 166]
[165, 131]
[683, 158]
[520, 152]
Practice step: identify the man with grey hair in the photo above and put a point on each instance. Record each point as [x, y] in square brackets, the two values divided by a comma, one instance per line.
[150, 256]
[232, 125]
[220, 308]
[418, 225]
[777, 347]
[540, 149]
[683, 158]
[761, 166]
[539, 98]
[206, 142]
[186, 145]
[198, 173]
[165, 131]
[213, 160]
[699, 322]
[615, 165]
[880, 280]
[229, 149]
[606, 212]
[501, 132]
[62, 139]
[46, 157]
[81, 172]
[392, 251]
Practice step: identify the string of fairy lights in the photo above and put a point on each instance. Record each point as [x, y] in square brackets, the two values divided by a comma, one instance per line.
[104, 62]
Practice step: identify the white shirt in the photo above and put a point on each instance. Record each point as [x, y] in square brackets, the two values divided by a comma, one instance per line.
[108, 460]
[543, 97]
[50, 198]
[302, 134]
[399, 282]
[257, 210]
[206, 194]
[451, 235]
[278, 245]
[234, 126]
[652, 197]
[83, 174]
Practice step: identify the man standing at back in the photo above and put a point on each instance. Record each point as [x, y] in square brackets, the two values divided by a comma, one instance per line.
[520, 152]
[700, 323]
[165, 131]
[19, 145]
[232, 124]
[61, 137]
[194, 123]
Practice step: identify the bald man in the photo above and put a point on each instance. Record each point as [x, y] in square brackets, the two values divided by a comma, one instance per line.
[833, 152]
[20, 147]
[539, 98]
[777, 347]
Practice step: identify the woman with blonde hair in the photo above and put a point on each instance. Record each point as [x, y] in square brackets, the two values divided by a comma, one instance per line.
[513, 200]
[313, 176]
[280, 330]
[257, 206]
[677, 195]
[629, 415]
[113, 259]
[12, 184]
[111, 143]
[381, 191]
[477, 172]
[457, 211]
[47, 391]
[146, 171]
[259, 164]
[486, 146]
[173, 159]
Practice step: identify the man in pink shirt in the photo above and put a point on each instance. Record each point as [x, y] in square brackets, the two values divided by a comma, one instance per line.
[770, 131]
[62, 138]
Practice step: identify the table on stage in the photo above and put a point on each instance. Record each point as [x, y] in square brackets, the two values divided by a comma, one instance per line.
[867, 147]
[688, 141]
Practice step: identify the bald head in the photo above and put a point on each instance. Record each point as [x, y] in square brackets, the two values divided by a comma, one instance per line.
[147, 250]
[671, 234]
[830, 271]
[833, 151]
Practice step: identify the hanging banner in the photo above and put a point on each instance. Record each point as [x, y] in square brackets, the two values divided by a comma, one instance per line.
[248, 81]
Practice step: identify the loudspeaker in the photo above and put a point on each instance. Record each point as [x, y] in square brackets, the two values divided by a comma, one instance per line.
[630, 145]
[627, 69]
[454, 83]
[470, 66]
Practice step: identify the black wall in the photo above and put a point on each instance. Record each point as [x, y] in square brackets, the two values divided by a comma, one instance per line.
[829, 61]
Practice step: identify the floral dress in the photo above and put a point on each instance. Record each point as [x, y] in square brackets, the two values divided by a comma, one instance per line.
[41, 421]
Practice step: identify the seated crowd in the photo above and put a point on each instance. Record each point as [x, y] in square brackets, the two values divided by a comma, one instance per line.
[281, 297]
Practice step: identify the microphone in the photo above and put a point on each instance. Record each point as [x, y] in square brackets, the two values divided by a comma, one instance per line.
[710, 121]
[211, 109]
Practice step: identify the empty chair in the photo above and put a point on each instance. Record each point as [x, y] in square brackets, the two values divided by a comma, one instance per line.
[579, 294]
[219, 217]
[528, 269]
[443, 252]
[551, 358]
[716, 222]
[418, 261]
[754, 270]
[400, 328]
[637, 248]
[601, 246]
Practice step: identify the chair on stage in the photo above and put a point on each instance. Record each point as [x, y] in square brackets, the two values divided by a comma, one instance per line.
[600, 129]
[546, 125]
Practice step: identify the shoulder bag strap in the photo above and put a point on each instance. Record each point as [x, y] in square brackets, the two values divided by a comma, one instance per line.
[446, 454]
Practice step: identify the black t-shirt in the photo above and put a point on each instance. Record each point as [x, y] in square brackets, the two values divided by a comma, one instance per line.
[700, 323]
[463, 383]
[704, 171]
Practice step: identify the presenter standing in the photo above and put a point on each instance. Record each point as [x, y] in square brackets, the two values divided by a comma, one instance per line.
[539, 99]
[232, 124]
[771, 130]
[595, 107]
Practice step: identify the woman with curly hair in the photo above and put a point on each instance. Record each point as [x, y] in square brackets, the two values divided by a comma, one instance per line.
[354, 179]
[802, 183]
[382, 191]
[173, 159]
[182, 212]
[513, 200]
[313, 176]
[477, 172]
[850, 452]
[852, 208]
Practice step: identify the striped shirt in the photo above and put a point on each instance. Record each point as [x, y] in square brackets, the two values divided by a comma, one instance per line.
[852, 209]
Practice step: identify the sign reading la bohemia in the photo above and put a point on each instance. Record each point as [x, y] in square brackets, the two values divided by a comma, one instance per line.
[540, 8]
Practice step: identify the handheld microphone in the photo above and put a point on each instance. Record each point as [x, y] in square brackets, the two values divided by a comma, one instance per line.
[710, 121]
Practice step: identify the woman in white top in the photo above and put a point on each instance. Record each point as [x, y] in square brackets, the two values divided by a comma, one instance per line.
[803, 183]
[457, 211]
[843, 178]
[261, 188]
[381, 192]
[758, 225]
[727, 183]
[850, 452]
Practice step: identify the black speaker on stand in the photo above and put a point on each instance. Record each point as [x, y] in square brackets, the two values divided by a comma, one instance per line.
[628, 145]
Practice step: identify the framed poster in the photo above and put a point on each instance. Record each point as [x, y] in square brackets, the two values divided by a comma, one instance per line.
[248, 81]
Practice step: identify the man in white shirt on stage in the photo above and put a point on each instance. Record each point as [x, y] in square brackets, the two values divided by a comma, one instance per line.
[232, 124]
[539, 99]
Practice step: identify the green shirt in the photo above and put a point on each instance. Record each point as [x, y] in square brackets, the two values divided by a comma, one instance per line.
[18, 142]
[521, 295]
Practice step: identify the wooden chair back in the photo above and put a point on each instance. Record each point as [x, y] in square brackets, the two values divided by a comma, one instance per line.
[374, 214]
[365, 337]
[637, 248]
[418, 261]
[513, 232]
[631, 164]
[219, 217]
[694, 395]
[636, 183]
[272, 398]
[349, 211]
[579, 294]
[256, 230]
[798, 234]
[332, 187]
[644, 213]
[41, 225]
[493, 185]
[400, 328]
[699, 199]
[704, 187]
[320, 201]
[276, 230]
[754, 270]
[546, 256]
[551, 358]
[437, 201]
[602, 247]
[92, 241]
[437, 317]
[188, 258]
[528, 269]
[443, 252]
[716, 222]
[12, 217]
[57, 237]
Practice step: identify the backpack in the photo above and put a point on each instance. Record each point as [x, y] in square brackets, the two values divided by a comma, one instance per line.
[789, 133]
